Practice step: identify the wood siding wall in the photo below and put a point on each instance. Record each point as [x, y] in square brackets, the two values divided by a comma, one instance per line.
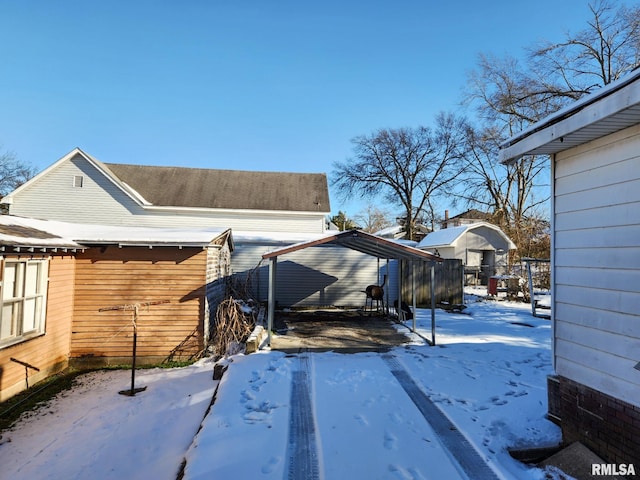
[100, 201]
[116, 276]
[596, 249]
[48, 352]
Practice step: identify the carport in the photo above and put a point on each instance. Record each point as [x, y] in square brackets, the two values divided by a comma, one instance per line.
[369, 244]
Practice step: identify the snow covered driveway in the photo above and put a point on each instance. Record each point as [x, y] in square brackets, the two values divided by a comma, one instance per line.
[321, 416]
[487, 382]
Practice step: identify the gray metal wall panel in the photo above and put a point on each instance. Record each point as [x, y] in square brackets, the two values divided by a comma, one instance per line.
[316, 276]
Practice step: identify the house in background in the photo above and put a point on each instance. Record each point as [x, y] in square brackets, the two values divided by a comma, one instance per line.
[265, 210]
[594, 145]
[482, 247]
[58, 276]
[78, 188]
[465, 218]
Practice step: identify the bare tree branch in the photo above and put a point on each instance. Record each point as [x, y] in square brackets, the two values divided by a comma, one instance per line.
[406, 166]
[13, 172]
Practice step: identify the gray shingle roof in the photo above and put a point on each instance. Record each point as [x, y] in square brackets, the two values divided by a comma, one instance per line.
[233, 189]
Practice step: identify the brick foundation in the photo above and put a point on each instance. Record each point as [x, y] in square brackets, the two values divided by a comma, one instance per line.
[607, 426]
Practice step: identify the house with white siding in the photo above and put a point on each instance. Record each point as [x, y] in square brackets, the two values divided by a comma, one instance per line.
[594, 149]
[265, 210]
[79, 188]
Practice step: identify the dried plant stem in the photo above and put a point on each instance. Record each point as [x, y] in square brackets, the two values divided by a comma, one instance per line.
[233, 326]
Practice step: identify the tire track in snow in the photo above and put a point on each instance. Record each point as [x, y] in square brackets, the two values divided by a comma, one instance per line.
[302, 448]
[450, 437]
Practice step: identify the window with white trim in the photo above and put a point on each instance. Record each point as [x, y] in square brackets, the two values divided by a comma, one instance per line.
[24, 293]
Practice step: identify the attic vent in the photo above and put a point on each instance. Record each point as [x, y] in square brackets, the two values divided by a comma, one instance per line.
[77, 181]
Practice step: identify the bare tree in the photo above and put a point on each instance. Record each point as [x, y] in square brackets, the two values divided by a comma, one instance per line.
[603, 52]
[406, 166]
[510, 192]
[373, 218]
[13, 172]
[513, 94]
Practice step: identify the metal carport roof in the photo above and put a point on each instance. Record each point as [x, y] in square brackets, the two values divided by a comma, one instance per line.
[362, 242]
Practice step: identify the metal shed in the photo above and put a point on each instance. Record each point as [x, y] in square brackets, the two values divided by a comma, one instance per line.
[363, 242]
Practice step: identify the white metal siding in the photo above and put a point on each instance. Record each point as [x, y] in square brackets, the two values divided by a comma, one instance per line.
[597, 264]
[241, 221]
[54, 196]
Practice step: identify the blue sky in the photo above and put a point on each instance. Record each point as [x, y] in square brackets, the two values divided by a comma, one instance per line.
[248, 85]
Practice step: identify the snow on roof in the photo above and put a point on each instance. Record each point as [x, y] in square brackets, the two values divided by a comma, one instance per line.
[18, 235]
[389, 230]
[55, 233]
[444, 237]
[448, 236]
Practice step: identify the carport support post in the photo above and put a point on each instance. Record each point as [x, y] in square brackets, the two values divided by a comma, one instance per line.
[272, 296]
[413, 289]
[433, 303]
[399, 307]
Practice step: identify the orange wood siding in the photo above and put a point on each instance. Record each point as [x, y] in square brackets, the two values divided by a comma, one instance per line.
[115, 276]
[48, 352]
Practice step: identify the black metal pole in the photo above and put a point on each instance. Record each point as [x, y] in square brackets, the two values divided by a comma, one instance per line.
[134, 390]
[133, 364]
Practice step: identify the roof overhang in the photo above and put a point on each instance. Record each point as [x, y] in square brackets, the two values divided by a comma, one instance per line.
[27, 249]
[152, 237]
[362, 242]
[31, 233]
[612, 108]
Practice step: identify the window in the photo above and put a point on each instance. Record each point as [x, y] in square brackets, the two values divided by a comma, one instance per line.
[24, 291]
[78, 181]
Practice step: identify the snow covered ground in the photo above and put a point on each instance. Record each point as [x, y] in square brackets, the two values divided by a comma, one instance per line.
[487, 375]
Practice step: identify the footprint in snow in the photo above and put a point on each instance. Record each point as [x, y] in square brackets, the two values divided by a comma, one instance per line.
[246, 396]
[362, 420]
[405, 473]
[390, 441]
[396, 418]
[270, 465]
